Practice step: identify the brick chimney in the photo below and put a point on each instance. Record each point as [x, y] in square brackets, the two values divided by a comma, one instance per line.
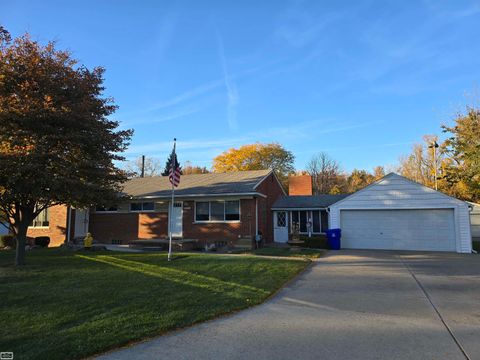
[300, 185]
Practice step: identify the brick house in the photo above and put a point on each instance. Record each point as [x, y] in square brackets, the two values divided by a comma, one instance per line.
[217, 207]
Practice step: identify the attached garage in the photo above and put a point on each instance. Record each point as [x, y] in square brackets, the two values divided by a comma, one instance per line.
[398, 214]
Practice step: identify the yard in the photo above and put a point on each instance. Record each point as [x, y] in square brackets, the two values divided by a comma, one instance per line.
[65, 305]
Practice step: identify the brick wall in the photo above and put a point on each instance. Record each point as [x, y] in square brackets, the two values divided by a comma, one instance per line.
[153, 225]
[56, 229]
[300, 185]
[118, 226]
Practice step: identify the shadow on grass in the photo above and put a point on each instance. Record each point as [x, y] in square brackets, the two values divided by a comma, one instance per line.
[179, 276]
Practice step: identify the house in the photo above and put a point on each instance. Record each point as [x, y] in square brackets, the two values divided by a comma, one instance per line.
[394, 213]
[475, 221]
[210, 208]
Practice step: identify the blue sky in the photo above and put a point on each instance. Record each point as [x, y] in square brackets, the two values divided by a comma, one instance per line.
[361, 80]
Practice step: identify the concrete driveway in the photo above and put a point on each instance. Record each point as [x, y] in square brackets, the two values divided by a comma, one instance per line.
[348, 305]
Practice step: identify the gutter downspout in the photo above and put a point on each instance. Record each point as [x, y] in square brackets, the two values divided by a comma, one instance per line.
[69, 223]
[256, 221]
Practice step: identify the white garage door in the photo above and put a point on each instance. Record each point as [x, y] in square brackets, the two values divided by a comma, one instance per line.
[432, 230]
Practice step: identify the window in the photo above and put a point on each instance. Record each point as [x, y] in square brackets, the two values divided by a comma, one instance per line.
[303, 221]
[142, 206]
[318, 218]
[102, 208]
[324, 217]
[232, 210]
[217, 211]
[315, 221]
[42, 220]
[202, 211]
[281, 219]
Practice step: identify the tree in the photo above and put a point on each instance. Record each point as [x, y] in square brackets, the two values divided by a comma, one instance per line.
[168, 165]
[378, 172]
[190, 169]
[57, 144]
[462, 149]
[358, 179]
[151, 168]
[257, 157]
[325, 173]
[421, 163]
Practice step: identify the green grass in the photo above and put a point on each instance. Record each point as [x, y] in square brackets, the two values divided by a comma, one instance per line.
[288, 252]
[66, 305]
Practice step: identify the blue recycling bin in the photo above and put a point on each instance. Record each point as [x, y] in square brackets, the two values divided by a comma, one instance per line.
[333, 238]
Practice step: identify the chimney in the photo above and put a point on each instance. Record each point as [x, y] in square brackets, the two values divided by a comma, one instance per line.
[300, 185]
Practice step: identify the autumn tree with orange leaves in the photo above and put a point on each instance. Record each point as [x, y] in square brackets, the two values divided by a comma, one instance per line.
[57, 144]
[257, 157]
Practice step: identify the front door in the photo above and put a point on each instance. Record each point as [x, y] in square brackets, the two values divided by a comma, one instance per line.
[176, 219]
[81, 223]
[280, 226]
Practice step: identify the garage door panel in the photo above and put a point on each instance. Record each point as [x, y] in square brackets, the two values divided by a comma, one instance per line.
[431, 229]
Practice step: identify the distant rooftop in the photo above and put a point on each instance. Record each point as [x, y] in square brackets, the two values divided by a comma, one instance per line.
[240, 182]
[307, 201]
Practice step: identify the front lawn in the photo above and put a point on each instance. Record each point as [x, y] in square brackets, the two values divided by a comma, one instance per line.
[65, 305]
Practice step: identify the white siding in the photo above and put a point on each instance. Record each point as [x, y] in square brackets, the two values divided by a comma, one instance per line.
[397, 192]
[475, 221]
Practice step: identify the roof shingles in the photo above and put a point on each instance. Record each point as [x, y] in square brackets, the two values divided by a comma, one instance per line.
[241, 182]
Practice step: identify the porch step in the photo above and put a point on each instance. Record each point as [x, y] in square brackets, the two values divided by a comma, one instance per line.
[243, 243]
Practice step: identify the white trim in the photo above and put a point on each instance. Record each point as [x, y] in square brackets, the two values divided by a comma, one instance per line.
[276, 178]
[39, 227]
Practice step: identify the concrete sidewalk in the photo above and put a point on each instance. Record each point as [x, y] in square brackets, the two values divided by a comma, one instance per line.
[349, 305]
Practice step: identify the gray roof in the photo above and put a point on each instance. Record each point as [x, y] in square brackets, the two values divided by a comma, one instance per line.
[307, 201]
[240, 182]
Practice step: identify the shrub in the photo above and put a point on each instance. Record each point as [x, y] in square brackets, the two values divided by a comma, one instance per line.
[42, 241]
[315, 242]
[7, 240]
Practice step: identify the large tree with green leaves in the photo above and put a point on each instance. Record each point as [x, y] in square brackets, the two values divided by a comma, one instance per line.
[57, 144]
[462, 149]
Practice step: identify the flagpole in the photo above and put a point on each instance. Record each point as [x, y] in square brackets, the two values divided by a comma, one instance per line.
[171, 205]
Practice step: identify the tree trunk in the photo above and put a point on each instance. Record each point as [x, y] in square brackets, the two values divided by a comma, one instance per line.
[21, 240]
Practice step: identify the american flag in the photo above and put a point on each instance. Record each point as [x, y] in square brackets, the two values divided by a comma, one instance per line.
[175, 172]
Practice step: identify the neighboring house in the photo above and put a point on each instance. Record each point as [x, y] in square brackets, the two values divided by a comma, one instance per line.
[475, 220]
[393, 213]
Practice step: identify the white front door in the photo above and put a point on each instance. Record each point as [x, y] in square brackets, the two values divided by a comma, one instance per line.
[280, 226]
[81, 223]
[176, 219]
